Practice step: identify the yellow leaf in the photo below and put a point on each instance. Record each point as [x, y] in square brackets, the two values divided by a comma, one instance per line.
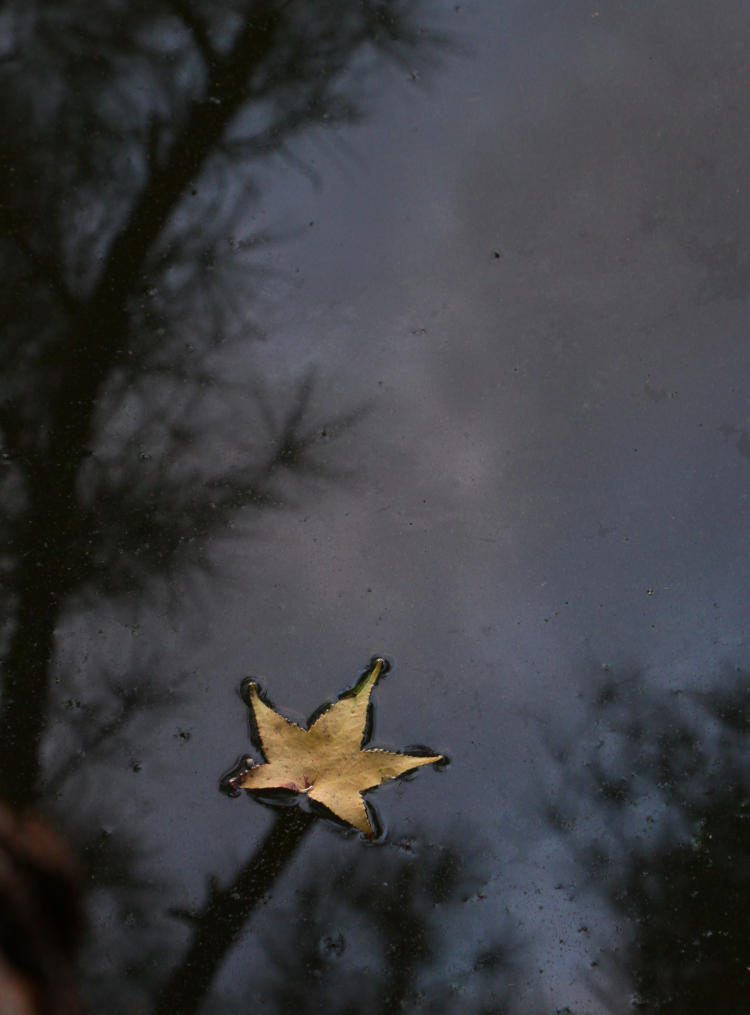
[327, 761]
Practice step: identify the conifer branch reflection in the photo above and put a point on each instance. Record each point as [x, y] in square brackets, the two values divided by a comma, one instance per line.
[127, 163]
[656, 808]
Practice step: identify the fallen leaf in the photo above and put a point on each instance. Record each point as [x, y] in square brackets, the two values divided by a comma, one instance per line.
[327, 761]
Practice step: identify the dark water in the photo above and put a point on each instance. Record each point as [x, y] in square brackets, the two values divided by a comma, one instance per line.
[353, 328]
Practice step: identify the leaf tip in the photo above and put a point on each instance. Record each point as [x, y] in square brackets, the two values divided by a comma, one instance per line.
[249, 690]
[232, 782]
[379, 666]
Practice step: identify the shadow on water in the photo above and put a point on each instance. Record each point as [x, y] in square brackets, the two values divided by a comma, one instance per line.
[132, 139]
[655, 804]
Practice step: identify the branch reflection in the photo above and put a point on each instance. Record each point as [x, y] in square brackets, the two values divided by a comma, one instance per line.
[392, 928]
[130, 169]
[657, 807]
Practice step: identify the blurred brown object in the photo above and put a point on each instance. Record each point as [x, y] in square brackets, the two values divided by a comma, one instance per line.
[41, 918]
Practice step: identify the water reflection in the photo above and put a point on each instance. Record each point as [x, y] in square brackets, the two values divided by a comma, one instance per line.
[129, 171]
[216, 927]
[113, 395]
[388, 929]
[657, 805]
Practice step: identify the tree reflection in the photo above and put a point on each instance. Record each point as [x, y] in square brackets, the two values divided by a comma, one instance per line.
[132, 153]
[372, 937]
[139, 126]
[218, 924]
[659, 807]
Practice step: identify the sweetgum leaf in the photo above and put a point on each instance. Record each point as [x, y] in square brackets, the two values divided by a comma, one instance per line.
[326, 761]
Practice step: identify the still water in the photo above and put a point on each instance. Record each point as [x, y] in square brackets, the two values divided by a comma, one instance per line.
[356, 329]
